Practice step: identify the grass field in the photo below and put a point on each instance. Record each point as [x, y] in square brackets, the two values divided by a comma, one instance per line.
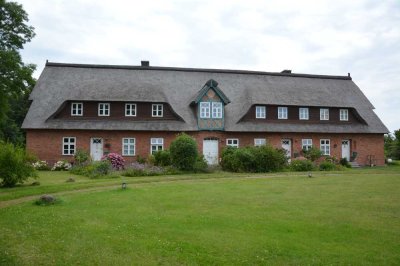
[345, 218]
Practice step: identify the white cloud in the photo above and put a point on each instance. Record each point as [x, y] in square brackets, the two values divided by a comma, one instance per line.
[321, 37]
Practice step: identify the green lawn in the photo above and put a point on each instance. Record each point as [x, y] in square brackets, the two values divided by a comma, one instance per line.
[346, 218]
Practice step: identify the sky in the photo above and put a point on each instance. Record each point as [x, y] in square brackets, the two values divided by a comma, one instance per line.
[360, 37]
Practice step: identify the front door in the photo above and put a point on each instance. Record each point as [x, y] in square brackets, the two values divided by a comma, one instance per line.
[346, 149]
[96, 148]
[210, 151]
[287, 146]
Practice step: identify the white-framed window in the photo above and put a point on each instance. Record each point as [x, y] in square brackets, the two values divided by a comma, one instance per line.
[204, 109]
[156, 144]
[128, 146]
[68, 145]
[232, 143]
[303, 114]
[76, 109]
[157, 110]
[130, 109]
[344, 115]
[104, 109]
[324, 114]
[260, 142]
[260, 112]
[306, 144]
[216, 110]
[325, 146]
[282, 113]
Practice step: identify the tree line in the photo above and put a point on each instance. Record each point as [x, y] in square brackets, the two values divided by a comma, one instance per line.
[16, 81]
[392, 145]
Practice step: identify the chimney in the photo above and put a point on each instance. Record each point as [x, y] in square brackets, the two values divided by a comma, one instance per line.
[287, 71]
[145, 63]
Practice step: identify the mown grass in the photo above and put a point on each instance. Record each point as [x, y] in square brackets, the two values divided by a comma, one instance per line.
[345, 218]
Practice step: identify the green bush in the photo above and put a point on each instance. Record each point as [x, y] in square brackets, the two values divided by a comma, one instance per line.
[184, 152]
[162, 158]
[269, 159]
[140, 159]
[253, 159]
[93, 170]
[327, 166]
[15, 165]
[312, 154]
[227, 158]
[81, 156]
[345, 163]
[244, 160]
[200, 166]
[301, 165]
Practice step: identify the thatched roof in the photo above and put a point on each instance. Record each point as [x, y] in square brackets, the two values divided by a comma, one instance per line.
[180, 86]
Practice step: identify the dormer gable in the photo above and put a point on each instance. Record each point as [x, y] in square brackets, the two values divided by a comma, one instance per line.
[209, 104]
[213, 85]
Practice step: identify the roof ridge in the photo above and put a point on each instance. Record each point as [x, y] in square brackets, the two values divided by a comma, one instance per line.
[185, 69]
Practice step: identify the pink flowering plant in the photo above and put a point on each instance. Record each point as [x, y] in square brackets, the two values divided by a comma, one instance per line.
[115, 159]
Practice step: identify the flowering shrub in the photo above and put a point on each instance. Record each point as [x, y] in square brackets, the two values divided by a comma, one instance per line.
[93, 170]
[147, 167]
[61, 166]
[140, 169]
[115, 159]
[41, 165]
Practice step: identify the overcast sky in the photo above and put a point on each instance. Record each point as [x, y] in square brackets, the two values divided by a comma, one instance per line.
[317, 37]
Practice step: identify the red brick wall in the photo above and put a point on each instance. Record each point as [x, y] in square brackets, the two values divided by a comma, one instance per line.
[47, 144]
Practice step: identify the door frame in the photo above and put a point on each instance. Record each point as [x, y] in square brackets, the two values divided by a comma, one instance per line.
[216, 141]
[91, 147]
[349, 149]
[288, 152]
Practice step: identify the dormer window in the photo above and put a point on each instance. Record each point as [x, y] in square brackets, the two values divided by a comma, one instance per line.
[76, 109]
[282, 113]
[130, 109]
[260, 112]
[216, 110]
[324, 114]
[157, 110]
[303, 113]
[204, 109]
[344, 115]
[104, 109]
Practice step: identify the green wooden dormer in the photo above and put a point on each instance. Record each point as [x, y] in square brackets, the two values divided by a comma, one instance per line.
[210, 104]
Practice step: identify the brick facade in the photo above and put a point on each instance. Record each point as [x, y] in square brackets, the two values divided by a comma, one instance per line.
[47, 144]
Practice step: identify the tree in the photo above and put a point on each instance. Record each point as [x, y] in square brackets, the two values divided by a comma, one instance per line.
[16, 80]
[392, 145]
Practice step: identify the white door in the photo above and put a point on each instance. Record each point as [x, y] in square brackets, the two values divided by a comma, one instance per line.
[346, 149]
[210, 151]
[287, 146]
[96, 148]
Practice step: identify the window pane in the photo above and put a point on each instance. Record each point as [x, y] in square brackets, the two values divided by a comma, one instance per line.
[204, 109]
[282, 112]
[260, 111]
